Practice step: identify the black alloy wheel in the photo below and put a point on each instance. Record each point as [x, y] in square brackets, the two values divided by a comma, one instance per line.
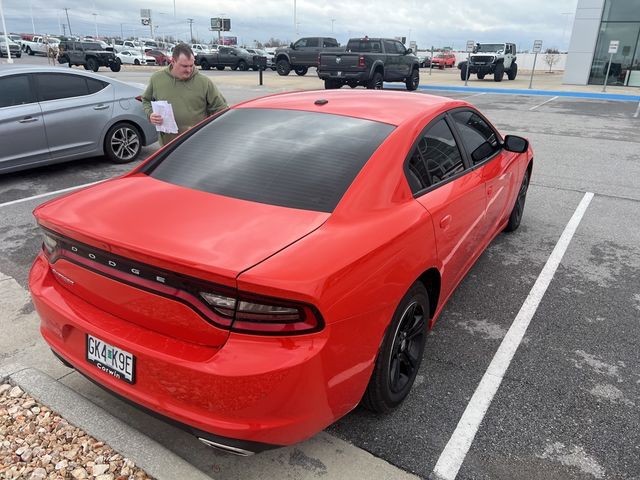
[92, 64]
[242, 66]
[400, 355]
[283, 67]
[413, 80]
[518, 209]
[301, 71]
[376, 82]
[122, 143]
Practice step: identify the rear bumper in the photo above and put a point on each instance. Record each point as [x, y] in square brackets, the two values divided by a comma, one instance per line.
[254, 393]
[362, 76]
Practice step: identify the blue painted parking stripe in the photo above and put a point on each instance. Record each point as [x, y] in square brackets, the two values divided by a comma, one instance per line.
[508, 91]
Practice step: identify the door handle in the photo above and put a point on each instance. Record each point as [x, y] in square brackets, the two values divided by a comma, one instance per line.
[445, 222]
[101, 107]
[28, 120]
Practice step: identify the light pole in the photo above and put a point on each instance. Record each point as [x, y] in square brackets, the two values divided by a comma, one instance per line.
[95, 20]
[332, 20]
[6, 37]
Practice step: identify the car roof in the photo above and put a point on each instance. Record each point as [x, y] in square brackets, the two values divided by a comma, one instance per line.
[392, 107]
[15, 69]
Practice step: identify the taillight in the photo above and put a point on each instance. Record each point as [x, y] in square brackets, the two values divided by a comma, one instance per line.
[139, 98]
[219, 305]
[361, 61]
[263, 315]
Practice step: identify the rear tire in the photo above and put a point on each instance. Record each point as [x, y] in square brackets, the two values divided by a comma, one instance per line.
[136, 62]
[398, 360]
[123, 143]
[376, 82]
[413, 80]
[463, 71]
[204, 65]
[116, 67]
[498, 73]
[242, 66]
[331, 84]
[29, 51]
[301, 71]
[513, 71]
[283, 67]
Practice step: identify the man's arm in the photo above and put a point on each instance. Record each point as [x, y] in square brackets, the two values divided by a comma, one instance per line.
[147, 97]
[215, 100]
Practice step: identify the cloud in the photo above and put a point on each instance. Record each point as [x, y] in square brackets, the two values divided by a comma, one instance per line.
[437, 22]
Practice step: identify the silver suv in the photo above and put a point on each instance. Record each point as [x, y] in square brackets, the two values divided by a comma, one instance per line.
[491, 59]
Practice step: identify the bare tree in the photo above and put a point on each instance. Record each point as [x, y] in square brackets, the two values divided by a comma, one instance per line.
[552, 56]
[274, 42]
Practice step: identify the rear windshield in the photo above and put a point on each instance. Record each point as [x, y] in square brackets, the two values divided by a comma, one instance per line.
[364, 45]
[295, 159]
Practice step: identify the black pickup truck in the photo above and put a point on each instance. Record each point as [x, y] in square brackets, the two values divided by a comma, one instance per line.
[235, 58]
[302, 54]
[370, 62]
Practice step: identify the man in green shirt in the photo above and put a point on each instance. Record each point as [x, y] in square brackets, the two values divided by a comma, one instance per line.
[193, 97]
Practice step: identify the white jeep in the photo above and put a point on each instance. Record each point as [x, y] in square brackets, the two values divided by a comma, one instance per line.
[491, 59]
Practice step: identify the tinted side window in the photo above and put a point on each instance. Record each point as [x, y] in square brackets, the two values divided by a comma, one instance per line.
[400, 48]
[53, 86]
[435, 159]
[477, 136]
[389, 46]
[313, 42]
[301, 43]
[15, 90]
[95, 85]
[329, 43]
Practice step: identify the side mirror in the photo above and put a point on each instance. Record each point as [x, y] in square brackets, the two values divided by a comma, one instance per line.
[291, 45]
[516, 144]
[409, 51]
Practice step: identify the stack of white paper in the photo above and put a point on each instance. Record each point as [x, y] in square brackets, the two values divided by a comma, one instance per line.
[168, 120]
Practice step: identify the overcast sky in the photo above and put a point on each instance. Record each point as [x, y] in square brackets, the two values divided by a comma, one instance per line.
[437, 22]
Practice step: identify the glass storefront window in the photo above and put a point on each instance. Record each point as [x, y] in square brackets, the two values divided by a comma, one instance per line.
[625, 65]
[621, 11]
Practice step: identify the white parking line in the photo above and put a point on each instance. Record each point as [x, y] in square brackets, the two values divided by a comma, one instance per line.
[635, 115]
[456, 449]
[543, 103]
[13, 202]
[475, 95]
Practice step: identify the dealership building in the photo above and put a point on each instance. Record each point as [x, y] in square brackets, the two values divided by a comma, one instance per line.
[597, 24]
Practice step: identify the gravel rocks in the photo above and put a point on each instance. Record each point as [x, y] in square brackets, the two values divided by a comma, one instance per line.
[37, 444]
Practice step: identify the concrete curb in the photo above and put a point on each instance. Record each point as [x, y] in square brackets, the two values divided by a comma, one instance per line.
[146, 453]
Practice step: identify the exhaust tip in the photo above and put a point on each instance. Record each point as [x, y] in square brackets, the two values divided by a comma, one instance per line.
[226, 448]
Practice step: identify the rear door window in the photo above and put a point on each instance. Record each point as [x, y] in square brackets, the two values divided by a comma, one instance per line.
[15, 90]
[435, 159]
[290, 158]
[54, 86]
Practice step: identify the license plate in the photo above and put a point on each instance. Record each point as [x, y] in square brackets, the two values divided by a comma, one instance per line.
[112, 360]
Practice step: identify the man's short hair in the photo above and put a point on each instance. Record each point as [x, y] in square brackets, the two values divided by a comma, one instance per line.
[182, 49]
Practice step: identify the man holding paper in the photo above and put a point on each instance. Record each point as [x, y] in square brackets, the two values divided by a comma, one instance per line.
[178, 96]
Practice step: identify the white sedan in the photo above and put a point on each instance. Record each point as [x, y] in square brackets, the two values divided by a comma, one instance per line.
[133, 57]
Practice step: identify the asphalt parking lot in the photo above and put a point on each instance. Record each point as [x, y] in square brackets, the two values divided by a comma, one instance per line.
[568, 406]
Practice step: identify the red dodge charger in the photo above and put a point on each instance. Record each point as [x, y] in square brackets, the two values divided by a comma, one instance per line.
[280, 263]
